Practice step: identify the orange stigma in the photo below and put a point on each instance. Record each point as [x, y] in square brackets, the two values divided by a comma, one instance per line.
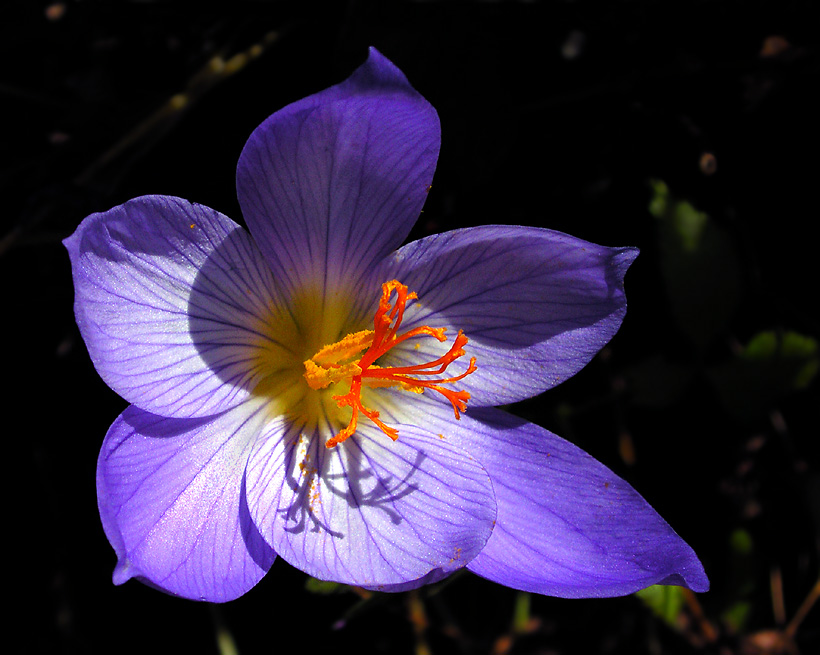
[336, 362]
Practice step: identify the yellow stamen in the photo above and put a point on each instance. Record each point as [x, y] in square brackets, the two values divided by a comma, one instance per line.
[331, 363]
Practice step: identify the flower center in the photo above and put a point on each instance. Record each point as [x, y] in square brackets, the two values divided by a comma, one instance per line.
[337, 362]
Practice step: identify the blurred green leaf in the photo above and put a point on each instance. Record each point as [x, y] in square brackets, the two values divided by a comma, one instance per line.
[686, 223]
[664, 601]
[739, 581]
[791, 348]
[322, 586]
[772, 365]
[736, 616]
[743, 566]
[522, 617]
[225, 642]
[699, 265]
[740, 541]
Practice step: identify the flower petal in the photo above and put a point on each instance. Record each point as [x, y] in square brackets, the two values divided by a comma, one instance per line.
[172, 505]
[334, 182]
[168, 298]
[535, 304]
[567, 526]
[370, 512]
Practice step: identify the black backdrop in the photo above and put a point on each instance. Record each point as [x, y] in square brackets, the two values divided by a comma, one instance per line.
[556, 114]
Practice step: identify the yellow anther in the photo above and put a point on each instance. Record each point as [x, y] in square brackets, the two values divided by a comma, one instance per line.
[335, 363]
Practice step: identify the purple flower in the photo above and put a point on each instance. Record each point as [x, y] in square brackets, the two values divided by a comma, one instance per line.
[295, 393]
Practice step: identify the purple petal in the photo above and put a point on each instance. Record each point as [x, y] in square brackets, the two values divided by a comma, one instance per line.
[370, 512]
[536, 305]
[168, 296]
[172, 505]
[567, 526]
[436, 575]
[334, 182]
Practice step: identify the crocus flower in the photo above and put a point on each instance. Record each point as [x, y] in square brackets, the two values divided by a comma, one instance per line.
[309, 391]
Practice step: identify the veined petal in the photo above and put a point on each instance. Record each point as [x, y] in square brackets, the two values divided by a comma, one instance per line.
[168, 298]
[567, 526]
[370, 512]
[172, 504]
[334, 182]
[536, 304]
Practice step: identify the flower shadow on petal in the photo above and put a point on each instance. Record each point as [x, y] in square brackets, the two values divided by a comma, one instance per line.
[370, 511]
[317, 471]
[258, 548]
[535, 305]
[384, 490]
[512, 287]
[246, 335]
[229, 309]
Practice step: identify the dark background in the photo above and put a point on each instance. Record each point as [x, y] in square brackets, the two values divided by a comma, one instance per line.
[559, 114]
